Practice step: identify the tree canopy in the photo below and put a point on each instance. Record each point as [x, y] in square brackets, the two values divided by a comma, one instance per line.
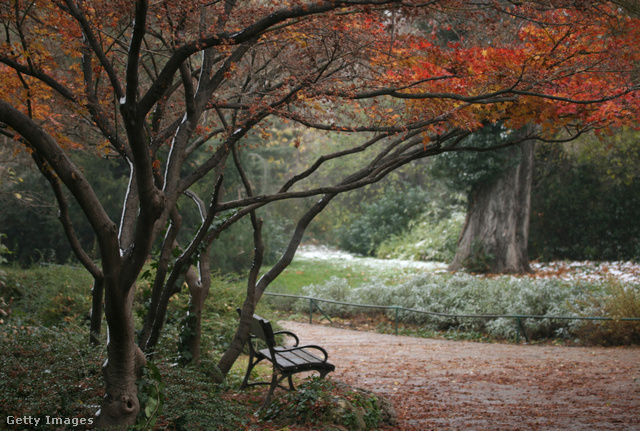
[173, 89]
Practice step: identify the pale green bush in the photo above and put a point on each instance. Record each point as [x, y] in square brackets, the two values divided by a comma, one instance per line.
[464, 294]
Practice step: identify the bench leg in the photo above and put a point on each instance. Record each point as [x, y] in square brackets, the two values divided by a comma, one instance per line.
[291, 387]
[276, 381]
[253, 361]
[272, 389]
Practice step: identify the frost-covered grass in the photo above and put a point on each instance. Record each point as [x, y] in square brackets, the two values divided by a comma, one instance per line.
[589, 271]
[314, 265]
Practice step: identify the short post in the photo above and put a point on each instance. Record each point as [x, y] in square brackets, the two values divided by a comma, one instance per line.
[397, 311]
[519, 329]
[310, 311]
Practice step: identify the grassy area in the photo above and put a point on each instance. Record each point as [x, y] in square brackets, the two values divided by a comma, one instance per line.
[47, 294]
[358, 271]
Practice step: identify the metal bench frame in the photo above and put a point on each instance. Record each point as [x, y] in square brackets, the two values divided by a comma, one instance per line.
[286, 361]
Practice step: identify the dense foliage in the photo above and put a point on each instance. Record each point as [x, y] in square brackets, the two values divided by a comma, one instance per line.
[386, 216]
[325, 402]
[433, 236]
[34, 233]
[35, 374]
[465, 171]
[60, 381]
[581, 212]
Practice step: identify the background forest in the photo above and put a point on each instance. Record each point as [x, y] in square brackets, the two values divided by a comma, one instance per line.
[584, 204]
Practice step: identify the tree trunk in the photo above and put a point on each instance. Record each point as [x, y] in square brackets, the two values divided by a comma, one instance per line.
[120, 405]
[242, 334]
[96, 310]
[199, 282]
[496, 231]
[191, 335]
[240, 337]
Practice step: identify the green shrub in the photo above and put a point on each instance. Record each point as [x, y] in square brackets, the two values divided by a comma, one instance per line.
[49, 295]
[387, 216]
[581, 210]
[618, 301]
[150, 396]
[232, 251]
[428, 238]
[466, 170]
[4, 250]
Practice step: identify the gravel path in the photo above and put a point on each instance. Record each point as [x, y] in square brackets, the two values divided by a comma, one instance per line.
[451, 385]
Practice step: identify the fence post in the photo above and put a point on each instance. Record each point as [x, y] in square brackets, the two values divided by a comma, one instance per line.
[397, 310]
[310, 311]
[520, 328]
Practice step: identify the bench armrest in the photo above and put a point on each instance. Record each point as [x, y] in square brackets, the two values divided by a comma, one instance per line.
[310, 346]
[289, 333]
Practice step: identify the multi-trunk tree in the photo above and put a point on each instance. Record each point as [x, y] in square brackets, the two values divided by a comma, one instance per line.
[173, 89]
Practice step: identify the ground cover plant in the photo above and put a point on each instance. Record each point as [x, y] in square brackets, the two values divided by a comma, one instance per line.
[49, 372]
[36, 366]
[323, 401]
[51, 375]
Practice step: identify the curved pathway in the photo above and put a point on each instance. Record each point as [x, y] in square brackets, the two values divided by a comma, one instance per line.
[451, 385]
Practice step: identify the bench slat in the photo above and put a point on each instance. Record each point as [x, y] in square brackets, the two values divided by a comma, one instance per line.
[297, 359]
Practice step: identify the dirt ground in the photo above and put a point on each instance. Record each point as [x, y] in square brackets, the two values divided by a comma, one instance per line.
[455, 385]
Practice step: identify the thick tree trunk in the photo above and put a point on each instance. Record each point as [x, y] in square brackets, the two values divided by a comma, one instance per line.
[120, 405]
[496, 231]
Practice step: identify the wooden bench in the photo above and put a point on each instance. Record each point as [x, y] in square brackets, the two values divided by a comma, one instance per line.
[286, 361]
